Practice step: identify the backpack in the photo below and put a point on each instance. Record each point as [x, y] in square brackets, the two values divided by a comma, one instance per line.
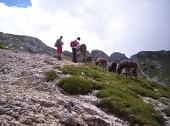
[73, 43]
[56, 44]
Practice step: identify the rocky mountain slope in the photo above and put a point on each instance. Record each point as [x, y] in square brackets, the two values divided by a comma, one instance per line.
[152, 64]
[155, 65]
[26, 98]
[25, 44]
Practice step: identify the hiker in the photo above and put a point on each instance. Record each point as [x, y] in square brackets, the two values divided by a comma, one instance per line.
[59, 44]
[74, 49]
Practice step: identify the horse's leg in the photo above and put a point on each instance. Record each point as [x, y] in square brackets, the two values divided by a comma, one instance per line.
[126, 72]
[136, 72]
[76, 58]
[85, 58]
[129, 72]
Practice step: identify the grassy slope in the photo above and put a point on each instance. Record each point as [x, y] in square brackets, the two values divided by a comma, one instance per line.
[120, 95]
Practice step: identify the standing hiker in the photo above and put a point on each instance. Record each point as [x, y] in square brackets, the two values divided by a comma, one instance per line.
[73, 45]
[59, 44]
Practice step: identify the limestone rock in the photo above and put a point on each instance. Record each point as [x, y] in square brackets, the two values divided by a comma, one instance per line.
[27, 99]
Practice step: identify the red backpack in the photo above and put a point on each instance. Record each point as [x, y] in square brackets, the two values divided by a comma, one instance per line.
[73, 43]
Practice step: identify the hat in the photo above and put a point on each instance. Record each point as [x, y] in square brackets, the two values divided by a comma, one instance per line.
[78, 38]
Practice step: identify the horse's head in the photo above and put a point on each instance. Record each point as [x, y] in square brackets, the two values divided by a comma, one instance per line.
[119, 70]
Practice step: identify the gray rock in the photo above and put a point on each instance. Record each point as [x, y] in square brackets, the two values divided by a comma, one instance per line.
[3, 101]
[116, 56]
[27, 99]
[97, 53]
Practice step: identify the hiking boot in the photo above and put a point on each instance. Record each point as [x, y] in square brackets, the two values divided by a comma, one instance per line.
[59, 58]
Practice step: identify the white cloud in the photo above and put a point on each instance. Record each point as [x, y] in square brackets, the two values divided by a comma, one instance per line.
[111, 25]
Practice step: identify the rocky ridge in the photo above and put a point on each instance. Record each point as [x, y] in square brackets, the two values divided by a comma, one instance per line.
[26, 98]
[154, 65]
[25, 44]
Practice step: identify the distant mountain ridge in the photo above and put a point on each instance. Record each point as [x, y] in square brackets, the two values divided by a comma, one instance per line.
[153, 64]
[25, 44]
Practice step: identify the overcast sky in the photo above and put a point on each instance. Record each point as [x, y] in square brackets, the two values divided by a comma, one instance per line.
[125, 26]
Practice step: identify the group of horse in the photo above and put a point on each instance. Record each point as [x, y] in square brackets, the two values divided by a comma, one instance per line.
[130, 67]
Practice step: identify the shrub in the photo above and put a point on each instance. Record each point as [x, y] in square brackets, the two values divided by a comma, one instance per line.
[2, 45]
[167, 111]
[51, 75]
[89, 70]
[77, 85]
[57, 67]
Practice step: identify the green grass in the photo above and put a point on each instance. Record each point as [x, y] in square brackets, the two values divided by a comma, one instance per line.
[51, 75]
[119, 95]
[78, 85]
[167, 111]
[2, 45]
[56, 67]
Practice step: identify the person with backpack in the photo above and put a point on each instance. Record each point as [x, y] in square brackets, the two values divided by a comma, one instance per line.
[74, 44]
[59, 44]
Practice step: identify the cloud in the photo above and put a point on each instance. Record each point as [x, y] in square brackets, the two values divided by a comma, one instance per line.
[111, 25]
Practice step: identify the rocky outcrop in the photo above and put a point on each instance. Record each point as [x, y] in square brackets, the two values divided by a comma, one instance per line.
[26, 98]
[25, 44]
[97, 53]
[154, 65]
[116, 56]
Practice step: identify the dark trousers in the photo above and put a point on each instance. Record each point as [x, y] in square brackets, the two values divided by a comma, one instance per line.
[74, 54]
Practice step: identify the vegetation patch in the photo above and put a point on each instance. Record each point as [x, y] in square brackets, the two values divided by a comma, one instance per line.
[89, 70]
[2, 45]
[119, 95]
[78, 85]
[57, 67]
[51, 75]
[163, 90]
[167, 111]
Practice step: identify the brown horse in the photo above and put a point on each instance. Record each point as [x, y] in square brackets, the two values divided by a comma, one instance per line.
[81, 51]
[101, 62]
[130, 66]
[112, 67]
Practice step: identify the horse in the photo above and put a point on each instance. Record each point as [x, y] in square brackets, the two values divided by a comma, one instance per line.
[101, 62]
[130, 66]
[81, 51]
[112, 67]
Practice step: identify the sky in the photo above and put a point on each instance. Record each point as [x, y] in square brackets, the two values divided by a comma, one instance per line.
[125, 26]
